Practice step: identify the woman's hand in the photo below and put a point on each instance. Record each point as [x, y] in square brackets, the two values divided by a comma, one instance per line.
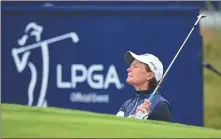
[145, 107]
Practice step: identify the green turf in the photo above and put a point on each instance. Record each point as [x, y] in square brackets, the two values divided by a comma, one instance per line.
[22, 121]
[212, 82]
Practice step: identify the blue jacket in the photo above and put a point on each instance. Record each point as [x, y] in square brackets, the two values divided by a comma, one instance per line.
[160, 108]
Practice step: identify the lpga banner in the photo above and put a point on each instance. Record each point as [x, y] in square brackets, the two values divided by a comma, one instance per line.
[74, 57]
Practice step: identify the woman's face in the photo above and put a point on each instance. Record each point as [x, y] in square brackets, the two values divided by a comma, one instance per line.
[137, 73]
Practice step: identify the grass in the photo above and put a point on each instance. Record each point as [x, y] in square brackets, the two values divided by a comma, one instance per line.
[32, 122]
[212, 82]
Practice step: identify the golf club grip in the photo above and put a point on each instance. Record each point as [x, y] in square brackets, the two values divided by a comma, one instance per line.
[151, 97]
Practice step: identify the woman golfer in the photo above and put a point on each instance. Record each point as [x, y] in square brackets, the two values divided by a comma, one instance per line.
[144, 73]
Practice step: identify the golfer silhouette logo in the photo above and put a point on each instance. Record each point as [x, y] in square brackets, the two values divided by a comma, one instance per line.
[22, 62]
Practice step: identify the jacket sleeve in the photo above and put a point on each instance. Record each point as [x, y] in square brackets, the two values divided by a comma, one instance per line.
[122, 108]
[124, 105]
[161, 113]
[121, 112]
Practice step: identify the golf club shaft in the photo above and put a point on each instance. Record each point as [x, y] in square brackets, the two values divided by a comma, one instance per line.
[157, 87]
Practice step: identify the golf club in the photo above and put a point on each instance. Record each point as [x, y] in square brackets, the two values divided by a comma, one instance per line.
[158, 85]
[164, 75]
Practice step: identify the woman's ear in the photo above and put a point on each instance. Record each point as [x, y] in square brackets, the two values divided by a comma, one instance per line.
[150, 76]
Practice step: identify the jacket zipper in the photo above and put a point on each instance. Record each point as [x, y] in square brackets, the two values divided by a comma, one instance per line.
[134, 106]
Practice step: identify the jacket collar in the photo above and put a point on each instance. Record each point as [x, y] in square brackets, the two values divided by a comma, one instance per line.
[143, 93]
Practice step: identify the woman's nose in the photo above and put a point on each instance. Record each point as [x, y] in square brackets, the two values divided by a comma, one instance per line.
[128, 69]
